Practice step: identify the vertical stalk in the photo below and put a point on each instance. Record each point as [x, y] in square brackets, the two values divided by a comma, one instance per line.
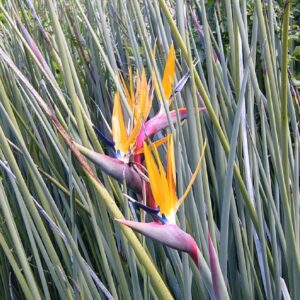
[284, 93]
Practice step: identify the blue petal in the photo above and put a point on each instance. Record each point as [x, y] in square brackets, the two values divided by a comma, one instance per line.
[154, 212]
[108, 142]
[181, 83]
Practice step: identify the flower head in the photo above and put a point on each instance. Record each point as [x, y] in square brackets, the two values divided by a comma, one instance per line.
[163, 186]
[125, 133]
[129, 136]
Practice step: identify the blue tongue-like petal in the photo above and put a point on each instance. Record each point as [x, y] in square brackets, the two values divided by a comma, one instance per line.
[108, 142]
[153, 212]
[181, 83]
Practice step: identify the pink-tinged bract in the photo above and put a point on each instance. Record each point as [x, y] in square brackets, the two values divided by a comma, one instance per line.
[115, 168]
[167, 234]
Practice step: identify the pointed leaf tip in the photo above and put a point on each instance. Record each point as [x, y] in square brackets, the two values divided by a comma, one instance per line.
[219, 286]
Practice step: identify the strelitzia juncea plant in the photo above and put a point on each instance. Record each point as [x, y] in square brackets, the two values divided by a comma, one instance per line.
[75, 55]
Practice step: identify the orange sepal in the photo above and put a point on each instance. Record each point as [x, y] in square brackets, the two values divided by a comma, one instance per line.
[169, 74]
[119, 131]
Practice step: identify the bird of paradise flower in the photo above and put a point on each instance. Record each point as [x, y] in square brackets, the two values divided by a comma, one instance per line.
[128, 137]
[125, 135]
[163, 186]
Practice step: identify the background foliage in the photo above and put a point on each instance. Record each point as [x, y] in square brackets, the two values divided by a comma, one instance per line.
[58, 236]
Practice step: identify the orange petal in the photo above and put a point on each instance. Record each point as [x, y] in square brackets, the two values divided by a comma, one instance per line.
[119, 132]
[164, 202]
[144, 102]
[143, 96]
[154, 175]
[148, 100]
[134, 133]
[137, 96]
[156, 143]
[130, 100]
[131, 85]
[169, 74]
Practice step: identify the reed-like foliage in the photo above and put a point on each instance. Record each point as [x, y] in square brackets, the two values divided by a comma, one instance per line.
[232, 88]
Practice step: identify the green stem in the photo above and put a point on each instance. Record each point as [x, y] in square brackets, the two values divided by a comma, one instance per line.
[284, 94]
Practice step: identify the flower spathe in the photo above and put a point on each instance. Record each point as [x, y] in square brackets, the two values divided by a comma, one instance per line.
[168, 234]
[114, 167]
